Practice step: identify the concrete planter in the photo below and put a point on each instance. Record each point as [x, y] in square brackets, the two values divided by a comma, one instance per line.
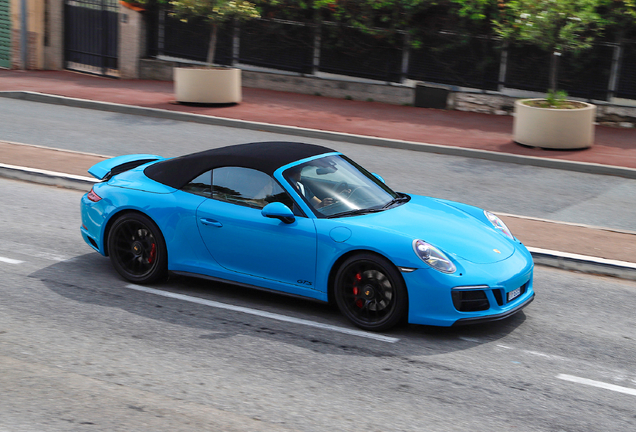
[207, 85]
[554, 128]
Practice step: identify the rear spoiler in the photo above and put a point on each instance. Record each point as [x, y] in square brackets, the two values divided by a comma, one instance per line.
[104, 170]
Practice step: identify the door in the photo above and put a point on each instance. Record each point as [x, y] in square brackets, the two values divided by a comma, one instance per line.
[242, 240]
[90, 36]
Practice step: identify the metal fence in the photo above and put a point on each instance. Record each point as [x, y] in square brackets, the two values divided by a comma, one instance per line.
[626, 86]
[171, 37]
[586, 75]
[346, 51]
[278, 45]
[454, 59]
[447, 58]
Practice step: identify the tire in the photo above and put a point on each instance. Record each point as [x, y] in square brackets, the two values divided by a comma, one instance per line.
[370, 292]
[137, 249]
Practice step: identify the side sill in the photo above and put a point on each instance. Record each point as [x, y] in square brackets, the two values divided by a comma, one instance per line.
[245, 285]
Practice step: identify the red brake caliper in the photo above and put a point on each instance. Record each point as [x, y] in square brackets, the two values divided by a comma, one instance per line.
[359, 302]
[153, 253]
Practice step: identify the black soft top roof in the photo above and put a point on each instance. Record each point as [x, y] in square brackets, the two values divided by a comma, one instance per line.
[262, 156]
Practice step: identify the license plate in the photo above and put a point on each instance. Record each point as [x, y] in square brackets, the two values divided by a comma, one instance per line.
[514, 294]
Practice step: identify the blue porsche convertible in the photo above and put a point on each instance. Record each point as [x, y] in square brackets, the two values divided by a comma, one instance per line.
[306, 220]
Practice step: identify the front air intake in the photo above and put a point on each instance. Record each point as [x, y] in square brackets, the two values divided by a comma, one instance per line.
[470, 301]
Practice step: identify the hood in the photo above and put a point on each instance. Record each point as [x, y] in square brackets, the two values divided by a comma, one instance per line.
[453, 231]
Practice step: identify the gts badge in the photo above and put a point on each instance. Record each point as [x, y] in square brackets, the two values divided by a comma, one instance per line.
[304, 282]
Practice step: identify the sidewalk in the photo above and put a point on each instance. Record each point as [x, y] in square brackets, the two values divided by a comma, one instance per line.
[589, 249]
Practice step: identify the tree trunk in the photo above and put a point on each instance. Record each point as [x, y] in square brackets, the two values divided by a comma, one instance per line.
[554, 70]
[212, 47]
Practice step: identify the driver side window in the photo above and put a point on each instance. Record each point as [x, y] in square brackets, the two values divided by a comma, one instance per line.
[247, 187]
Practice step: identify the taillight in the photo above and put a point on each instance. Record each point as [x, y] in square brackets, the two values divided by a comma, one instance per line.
[93, 196]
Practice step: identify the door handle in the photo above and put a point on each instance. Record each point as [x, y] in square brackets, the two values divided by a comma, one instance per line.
[211, 222]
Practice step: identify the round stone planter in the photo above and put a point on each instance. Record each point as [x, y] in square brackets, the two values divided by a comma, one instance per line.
[207, 85]
[554, 128]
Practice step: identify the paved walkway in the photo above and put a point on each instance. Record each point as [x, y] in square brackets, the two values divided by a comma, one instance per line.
[613, 146]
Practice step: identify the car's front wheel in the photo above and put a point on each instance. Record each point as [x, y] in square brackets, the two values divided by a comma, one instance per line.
[137, 249]
[370, 291]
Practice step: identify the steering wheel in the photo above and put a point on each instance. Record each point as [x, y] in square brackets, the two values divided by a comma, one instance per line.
[341, 187]
[356, 192]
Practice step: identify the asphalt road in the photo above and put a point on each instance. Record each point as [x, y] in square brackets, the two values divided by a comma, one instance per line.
[597, 200]
[82, 350]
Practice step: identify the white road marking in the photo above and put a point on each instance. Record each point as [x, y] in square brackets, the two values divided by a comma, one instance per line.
[547, 356]
[599, 384]
[39, 252]
[264, 314]
[10, 261]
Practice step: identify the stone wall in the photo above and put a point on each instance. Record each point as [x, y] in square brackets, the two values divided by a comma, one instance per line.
[16, 50]
[612, 115]
[132, 37]
[54, 42]
[606, 114]
[388, 93]
[35, 34]
[483, 103]
[394, 94]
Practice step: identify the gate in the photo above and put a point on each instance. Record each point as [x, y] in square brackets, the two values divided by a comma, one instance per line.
[5, 35]
[90, 36]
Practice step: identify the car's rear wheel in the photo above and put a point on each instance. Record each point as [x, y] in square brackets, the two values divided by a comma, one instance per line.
[137, 249]
[370, 291]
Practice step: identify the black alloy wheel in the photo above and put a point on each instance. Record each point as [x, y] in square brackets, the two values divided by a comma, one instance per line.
[137, 249]
[370, 291]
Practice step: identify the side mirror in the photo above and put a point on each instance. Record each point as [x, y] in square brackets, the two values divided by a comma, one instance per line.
[378, 177]
[277, 210]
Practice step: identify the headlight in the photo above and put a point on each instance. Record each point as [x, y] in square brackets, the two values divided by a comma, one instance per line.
[433, 256]
[498, 223]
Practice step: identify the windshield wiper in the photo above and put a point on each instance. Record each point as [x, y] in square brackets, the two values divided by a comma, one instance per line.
[402, 198]
[355, 212]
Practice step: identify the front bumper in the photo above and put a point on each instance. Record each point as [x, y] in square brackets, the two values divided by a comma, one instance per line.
[496, 317]
[486, 286]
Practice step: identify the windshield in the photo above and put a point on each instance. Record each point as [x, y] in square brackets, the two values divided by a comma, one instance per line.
[336, 186]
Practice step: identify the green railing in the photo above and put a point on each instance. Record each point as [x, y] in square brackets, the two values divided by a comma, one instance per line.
[5, 35]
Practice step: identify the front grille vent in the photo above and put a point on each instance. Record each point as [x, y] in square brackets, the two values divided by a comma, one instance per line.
[497, 292]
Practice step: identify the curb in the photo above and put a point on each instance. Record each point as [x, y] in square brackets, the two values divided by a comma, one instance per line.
[584, 263]
[589, 168]
[544, 257]
[49, 178]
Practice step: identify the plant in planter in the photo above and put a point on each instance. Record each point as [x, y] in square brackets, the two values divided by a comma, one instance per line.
[209, 84]
[556, 27]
